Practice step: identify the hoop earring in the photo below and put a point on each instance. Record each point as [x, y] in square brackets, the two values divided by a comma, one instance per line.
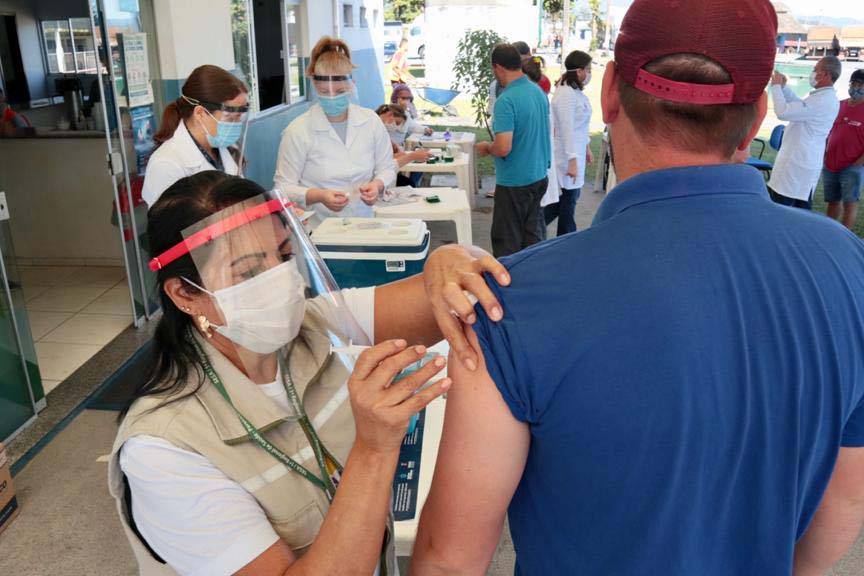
[204, 325]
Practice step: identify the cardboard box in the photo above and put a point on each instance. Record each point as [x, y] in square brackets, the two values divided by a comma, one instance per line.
[8, 501]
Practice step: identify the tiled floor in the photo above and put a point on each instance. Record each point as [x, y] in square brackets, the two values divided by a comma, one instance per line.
[73, 313]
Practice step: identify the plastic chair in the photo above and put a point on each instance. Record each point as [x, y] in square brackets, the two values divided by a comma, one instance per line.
[775, 141]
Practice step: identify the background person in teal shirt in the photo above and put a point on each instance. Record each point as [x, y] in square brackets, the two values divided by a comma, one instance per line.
[522, 155]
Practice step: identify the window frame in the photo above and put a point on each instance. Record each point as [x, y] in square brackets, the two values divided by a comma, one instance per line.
[46, 56]
[286, 54]
[364, 19]
[348, 9]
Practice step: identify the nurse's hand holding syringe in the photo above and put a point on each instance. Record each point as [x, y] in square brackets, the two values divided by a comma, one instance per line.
[335, 200]
[370, 190]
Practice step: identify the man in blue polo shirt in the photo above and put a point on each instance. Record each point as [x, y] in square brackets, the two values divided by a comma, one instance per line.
[678, 389]
[522, 155]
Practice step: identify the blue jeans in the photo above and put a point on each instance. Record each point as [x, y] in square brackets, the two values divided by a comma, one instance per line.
[564, 210]
[844, 186]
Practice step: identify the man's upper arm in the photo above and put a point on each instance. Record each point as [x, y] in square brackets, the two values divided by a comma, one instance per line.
[480, 463]
[847, 480]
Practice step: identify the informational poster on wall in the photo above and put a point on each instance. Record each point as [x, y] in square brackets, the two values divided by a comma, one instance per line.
[136, 66]
[143, 130]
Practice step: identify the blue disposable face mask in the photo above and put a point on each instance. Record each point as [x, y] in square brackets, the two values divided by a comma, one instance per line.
[856, 93]
[227, 133]
[334, 106]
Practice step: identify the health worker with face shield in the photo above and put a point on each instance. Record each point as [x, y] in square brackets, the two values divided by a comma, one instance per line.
[259, 442]
[201, 130]
[336, 157]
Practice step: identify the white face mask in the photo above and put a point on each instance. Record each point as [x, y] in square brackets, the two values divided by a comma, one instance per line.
[813, 81]
[587, 79]
[263, 313]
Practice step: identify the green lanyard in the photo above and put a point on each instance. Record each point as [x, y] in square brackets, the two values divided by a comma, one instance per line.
[322, 455]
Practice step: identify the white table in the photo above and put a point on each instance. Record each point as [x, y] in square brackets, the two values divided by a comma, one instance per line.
[406, 530]
[461, 166]
[465, 140]
[454, 207]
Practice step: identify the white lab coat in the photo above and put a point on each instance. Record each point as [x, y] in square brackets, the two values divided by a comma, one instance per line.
[553, 188]
[311, 155]
[571, 118]
[799, 162]
[177, 158]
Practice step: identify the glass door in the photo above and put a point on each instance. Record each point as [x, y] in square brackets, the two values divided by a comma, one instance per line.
[130, 124]
[17, 369]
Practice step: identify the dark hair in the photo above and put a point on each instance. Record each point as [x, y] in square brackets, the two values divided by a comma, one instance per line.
[396, 109]
[531, 68]
[694, 127]
[576, 60]
[187, 202]
[506, 56]
[522, 48]
[210, 85]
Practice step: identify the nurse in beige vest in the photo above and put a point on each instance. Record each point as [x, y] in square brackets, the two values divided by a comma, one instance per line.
[258, 445]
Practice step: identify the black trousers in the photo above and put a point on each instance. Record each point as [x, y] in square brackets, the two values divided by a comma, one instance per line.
[793, 202]
[517, 220]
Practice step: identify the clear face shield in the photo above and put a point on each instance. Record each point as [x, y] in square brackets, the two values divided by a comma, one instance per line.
[334, 93]
[265, 286]
[231, 123]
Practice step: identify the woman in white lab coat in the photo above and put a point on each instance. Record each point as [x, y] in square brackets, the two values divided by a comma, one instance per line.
[198, 130]
[532, 67]
[571, 119]
[336, 158]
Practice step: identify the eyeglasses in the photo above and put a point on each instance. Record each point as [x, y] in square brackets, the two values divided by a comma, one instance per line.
[217, 107]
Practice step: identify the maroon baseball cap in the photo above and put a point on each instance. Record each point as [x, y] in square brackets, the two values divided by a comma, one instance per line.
[740, 35]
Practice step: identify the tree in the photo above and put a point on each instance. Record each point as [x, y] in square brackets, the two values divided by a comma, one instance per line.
[553, 8]
[473, 69]
[403, 10]
[598, 24]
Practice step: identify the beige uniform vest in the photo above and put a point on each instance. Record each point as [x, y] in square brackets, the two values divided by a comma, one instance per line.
[204, 422]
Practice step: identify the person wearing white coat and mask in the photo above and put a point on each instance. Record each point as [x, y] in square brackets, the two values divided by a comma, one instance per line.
[799, 162]
[198, 131]
[336, 158]
[571, 119]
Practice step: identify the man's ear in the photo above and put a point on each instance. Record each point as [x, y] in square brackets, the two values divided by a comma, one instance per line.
[610, 100]
[761, 111]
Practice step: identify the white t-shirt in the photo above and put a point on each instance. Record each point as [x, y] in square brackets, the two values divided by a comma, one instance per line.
[196, 518]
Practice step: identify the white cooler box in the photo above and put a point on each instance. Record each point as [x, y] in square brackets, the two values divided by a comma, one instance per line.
[364, 252]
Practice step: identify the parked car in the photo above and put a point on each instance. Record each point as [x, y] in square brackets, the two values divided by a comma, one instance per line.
[393, 34]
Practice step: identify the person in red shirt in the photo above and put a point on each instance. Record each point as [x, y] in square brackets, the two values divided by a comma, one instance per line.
[10, 121]
[843, 174]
